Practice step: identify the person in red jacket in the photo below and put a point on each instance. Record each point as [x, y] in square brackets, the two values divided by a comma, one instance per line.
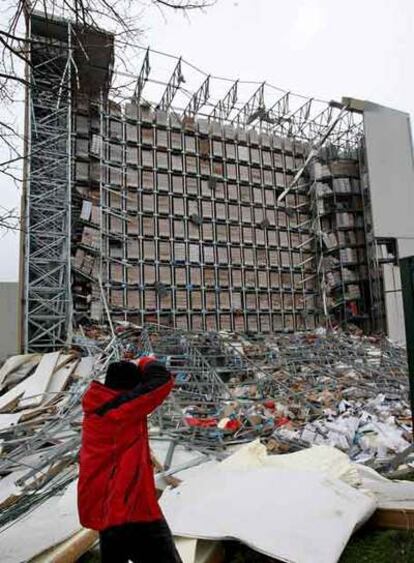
[116, 488]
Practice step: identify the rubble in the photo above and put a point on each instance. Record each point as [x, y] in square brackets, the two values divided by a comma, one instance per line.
[344, 390]
[291, 391]
[39, 428]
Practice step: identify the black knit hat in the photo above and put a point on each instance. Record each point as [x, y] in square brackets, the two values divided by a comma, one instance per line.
[122, 375]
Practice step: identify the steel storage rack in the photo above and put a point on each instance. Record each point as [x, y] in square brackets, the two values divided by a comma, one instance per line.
[340, 216]
[191, 234]
[198, 212]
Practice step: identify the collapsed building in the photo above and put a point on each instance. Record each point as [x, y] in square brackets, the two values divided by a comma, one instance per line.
[275, 214]
[204, 224]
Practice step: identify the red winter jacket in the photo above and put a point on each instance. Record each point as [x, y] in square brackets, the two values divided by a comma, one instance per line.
[116, 479]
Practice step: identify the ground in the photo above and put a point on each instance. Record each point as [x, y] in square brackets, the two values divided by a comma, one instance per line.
[368, 546]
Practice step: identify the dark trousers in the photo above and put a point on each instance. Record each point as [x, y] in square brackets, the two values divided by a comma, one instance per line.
[139, 542]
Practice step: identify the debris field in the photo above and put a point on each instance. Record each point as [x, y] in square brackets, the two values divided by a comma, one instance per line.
[291, 391]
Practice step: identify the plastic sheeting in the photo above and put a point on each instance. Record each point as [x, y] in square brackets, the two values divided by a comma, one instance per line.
[322, 459]
[289, 513]
[390, 494]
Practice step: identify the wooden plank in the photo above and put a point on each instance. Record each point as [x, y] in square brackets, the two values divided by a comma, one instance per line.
[44, 477]
[38, 412]
[59, 379]
[7, 420]
[12, 364]
[17, 375]
[84, 369]
[9, 491]
[11, 397]
[70, 550]
[37, 384]
[65, 359]
[9, 501]
[395, 518]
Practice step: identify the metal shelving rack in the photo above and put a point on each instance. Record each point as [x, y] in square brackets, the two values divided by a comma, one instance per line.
[191, 234]
[174, 213]
[340, 215]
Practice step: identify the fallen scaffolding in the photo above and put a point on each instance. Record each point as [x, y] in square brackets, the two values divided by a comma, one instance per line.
[325, 388]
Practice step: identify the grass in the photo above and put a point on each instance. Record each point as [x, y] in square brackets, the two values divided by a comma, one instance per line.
[367, 546]
[380, 546]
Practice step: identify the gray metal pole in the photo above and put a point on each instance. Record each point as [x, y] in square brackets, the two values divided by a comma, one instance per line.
[407, 284]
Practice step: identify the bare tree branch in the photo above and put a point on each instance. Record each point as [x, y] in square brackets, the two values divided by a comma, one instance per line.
[184, 4]
[119, 17]
[16, 78]
[9, 219]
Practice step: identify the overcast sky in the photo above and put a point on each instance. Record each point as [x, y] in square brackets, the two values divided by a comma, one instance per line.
[321, 48]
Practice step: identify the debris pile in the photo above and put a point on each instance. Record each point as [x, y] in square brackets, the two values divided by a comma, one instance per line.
[291, 391]
[348, 391]
[39, 427]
